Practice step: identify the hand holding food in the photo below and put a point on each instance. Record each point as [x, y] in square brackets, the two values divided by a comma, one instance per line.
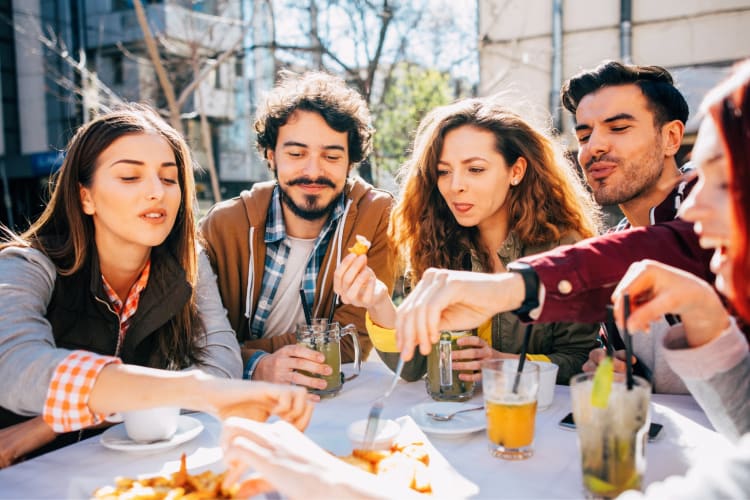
[258, 401]
[357, 284]
[295, 465]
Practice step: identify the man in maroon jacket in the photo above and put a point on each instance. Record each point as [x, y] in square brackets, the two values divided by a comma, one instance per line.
[629, 124]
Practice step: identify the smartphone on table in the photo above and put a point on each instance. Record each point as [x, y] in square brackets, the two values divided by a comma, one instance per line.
[653, 431]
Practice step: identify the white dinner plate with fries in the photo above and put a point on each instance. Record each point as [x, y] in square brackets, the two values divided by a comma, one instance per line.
[115, 438]
[461, 424]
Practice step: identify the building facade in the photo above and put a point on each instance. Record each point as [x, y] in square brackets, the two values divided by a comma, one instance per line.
[61, 61]
[534, 45]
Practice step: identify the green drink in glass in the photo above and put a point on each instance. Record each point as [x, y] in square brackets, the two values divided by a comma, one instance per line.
[442, 380]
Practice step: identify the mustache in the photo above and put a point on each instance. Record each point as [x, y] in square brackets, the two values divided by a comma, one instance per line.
[604, 157]
[323, 181]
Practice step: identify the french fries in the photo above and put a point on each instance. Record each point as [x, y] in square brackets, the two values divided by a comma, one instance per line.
[361, 246]
[406, 465]
[181, 485]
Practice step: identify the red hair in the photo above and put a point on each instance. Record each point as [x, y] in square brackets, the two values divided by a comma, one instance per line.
[729, 106]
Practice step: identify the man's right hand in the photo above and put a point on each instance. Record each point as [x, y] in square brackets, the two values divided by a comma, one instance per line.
[453, 300]
[283, 367]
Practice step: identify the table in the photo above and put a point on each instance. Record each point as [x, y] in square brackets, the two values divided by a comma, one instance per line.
[553, 472]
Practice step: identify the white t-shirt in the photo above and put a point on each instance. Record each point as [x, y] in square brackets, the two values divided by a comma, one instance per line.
[287, 306]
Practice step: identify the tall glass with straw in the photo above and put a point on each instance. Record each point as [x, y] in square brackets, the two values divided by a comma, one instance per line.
[611, 412]
[510, 388]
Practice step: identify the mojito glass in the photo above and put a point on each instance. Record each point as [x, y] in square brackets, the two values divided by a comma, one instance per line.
[612, 440]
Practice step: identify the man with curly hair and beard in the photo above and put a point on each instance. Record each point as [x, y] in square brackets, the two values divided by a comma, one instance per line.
[285, 237]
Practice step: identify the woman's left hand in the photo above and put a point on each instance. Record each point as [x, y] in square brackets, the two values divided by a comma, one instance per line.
[474, 351]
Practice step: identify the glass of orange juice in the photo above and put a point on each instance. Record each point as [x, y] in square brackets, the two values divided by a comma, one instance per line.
[510, 400]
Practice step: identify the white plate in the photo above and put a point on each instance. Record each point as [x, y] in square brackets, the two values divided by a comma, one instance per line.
[463, 423]
[115, 437]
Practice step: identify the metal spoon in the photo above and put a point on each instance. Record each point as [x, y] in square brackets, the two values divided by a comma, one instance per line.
[444, 417]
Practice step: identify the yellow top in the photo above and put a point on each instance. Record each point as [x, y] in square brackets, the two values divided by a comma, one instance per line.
[384, 339]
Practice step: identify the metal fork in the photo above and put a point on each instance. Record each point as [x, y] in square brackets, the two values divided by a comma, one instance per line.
[377, 408]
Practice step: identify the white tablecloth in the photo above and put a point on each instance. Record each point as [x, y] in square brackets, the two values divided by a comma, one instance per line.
[553, 472]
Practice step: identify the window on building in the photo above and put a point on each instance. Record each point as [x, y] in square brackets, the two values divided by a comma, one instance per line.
[122, 4]
[217, 77]
[117, 69]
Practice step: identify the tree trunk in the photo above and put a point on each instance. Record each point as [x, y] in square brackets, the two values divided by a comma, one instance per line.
[206, 140]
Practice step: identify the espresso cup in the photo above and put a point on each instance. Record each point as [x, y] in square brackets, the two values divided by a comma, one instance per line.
[152, 424]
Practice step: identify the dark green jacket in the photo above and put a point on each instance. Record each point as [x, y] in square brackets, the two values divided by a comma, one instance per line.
[566, 344]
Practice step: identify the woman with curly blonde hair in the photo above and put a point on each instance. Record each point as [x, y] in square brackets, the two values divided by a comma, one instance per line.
[482, 188]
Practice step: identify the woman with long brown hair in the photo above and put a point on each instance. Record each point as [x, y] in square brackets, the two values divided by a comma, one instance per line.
[107, 278]
[481, 189]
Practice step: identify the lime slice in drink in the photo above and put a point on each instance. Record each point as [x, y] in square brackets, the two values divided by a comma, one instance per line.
[603, 378]
[599, 486]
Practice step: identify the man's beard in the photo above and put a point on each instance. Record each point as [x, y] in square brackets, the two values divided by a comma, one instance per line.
[635, 180]
[310, 210]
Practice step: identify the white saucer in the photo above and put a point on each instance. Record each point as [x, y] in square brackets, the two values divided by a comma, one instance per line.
[463, 423]
[115, 438]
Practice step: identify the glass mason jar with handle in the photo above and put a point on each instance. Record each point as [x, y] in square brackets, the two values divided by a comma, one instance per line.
[325, 337]
[442, 380]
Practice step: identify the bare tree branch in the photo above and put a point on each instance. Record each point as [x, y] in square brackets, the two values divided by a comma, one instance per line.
[207, 70]
[161, 73]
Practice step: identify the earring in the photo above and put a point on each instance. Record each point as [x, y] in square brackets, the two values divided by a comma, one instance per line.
[514, 182]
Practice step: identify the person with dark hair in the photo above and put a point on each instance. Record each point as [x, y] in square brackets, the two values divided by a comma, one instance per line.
[664, 100]
[481, 188]
[107, 290]
[627, 152]
[287, 235]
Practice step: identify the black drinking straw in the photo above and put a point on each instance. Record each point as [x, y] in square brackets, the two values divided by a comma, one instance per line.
[628, 341]
[333, 308]
[611, 328]
[305, 307]
[522, 356]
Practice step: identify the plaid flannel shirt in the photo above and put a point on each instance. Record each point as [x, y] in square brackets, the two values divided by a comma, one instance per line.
[277, 253]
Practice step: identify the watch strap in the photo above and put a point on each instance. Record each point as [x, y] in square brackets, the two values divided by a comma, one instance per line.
[531, 285]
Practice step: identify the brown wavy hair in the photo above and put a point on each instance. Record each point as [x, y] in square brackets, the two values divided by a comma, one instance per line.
[548, 203]
[65, 234]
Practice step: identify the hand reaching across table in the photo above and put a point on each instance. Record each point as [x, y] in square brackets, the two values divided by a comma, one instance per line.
[453, 300]
[291, 463]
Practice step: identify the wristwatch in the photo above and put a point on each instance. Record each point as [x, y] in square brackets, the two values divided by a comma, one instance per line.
[531, 284]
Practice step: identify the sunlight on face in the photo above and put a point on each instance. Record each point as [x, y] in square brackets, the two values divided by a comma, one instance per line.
[134, 196]
[474, 178]
[708, 205]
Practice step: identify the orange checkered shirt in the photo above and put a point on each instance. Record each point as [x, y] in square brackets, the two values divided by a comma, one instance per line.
[66, 407]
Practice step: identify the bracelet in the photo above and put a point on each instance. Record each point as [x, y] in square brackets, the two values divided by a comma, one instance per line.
[531, 284]
[252, 362]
